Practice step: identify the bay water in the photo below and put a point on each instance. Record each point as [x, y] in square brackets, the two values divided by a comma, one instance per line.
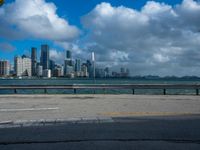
[65, 81]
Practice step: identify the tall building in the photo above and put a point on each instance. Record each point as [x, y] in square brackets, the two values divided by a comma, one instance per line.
[23, 66]
[4, 68]
[93, 65]
[68, 54]
[84, 70]
[68, 64]
[52, 65]
[68, 70]
[34, 61]
[100, 72]
[89, 68]
[57, 72]
[107, 72]
[44, 58]
[78, 65]
[62, 70]
[122, 70]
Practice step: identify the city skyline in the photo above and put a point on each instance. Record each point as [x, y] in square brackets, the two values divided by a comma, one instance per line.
[42, 66]
[149, 37]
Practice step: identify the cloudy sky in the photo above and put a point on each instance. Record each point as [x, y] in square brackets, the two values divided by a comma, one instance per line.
[160, 37]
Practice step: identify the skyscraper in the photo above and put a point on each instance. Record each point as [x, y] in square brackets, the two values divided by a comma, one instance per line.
[4, 68]
[68, 63]
[93, 64]
[44, 59]
[78, 65]
[68, 54]
[34, 61]
[52, 65]
[84, 70]
[89, 68]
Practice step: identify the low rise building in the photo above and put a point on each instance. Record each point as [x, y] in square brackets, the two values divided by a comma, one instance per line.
[47, 73]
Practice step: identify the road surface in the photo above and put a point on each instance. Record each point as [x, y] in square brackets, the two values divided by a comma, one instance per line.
[99, 122]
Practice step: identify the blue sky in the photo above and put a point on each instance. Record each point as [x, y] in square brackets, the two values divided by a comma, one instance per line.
[74, 26]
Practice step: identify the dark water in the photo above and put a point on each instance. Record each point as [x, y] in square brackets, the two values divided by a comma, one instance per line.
[97, 81]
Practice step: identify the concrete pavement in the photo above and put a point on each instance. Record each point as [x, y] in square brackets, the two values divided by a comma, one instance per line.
[111, 122]
[50, 107]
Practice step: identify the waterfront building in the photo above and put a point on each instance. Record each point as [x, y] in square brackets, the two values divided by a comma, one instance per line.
[68, 64]
[124, 73]
[93, 65]
[107, 72]
[62, 71]
[57, 72]
[122, 70]
[34, 61]
[47, 73]
[68, 54]
[52, 65]
[22, 66]
[116, 74]
[100, 73]
[39, 70]
[4, 68]
[11, 69]
[71, 75]
[44, 59]
[68, 70]
[78, 65]
[89, 68]
[127, 72]
[84, 70]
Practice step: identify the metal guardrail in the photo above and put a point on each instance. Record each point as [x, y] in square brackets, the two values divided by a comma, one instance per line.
[75, 87]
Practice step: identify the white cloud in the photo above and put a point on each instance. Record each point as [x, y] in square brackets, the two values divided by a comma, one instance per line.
[34, 19]
[157, 38]
[57, 56]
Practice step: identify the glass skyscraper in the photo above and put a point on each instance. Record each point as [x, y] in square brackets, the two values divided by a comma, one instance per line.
[68, 54]
[44, 59]
[34, 61]
[78, 65]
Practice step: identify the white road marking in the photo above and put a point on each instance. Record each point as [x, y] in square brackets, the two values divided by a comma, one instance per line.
[11, 102]
[28, 109]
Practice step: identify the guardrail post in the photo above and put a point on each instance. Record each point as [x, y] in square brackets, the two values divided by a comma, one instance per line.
[45, 91]
[133, 91]
[197, 91]
[74, 91]
[164, 91]
[15, 91]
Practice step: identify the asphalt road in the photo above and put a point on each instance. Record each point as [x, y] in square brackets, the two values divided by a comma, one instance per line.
[138, 133]
[113, 122]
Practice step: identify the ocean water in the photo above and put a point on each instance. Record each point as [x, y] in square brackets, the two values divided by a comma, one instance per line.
[97, 81]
